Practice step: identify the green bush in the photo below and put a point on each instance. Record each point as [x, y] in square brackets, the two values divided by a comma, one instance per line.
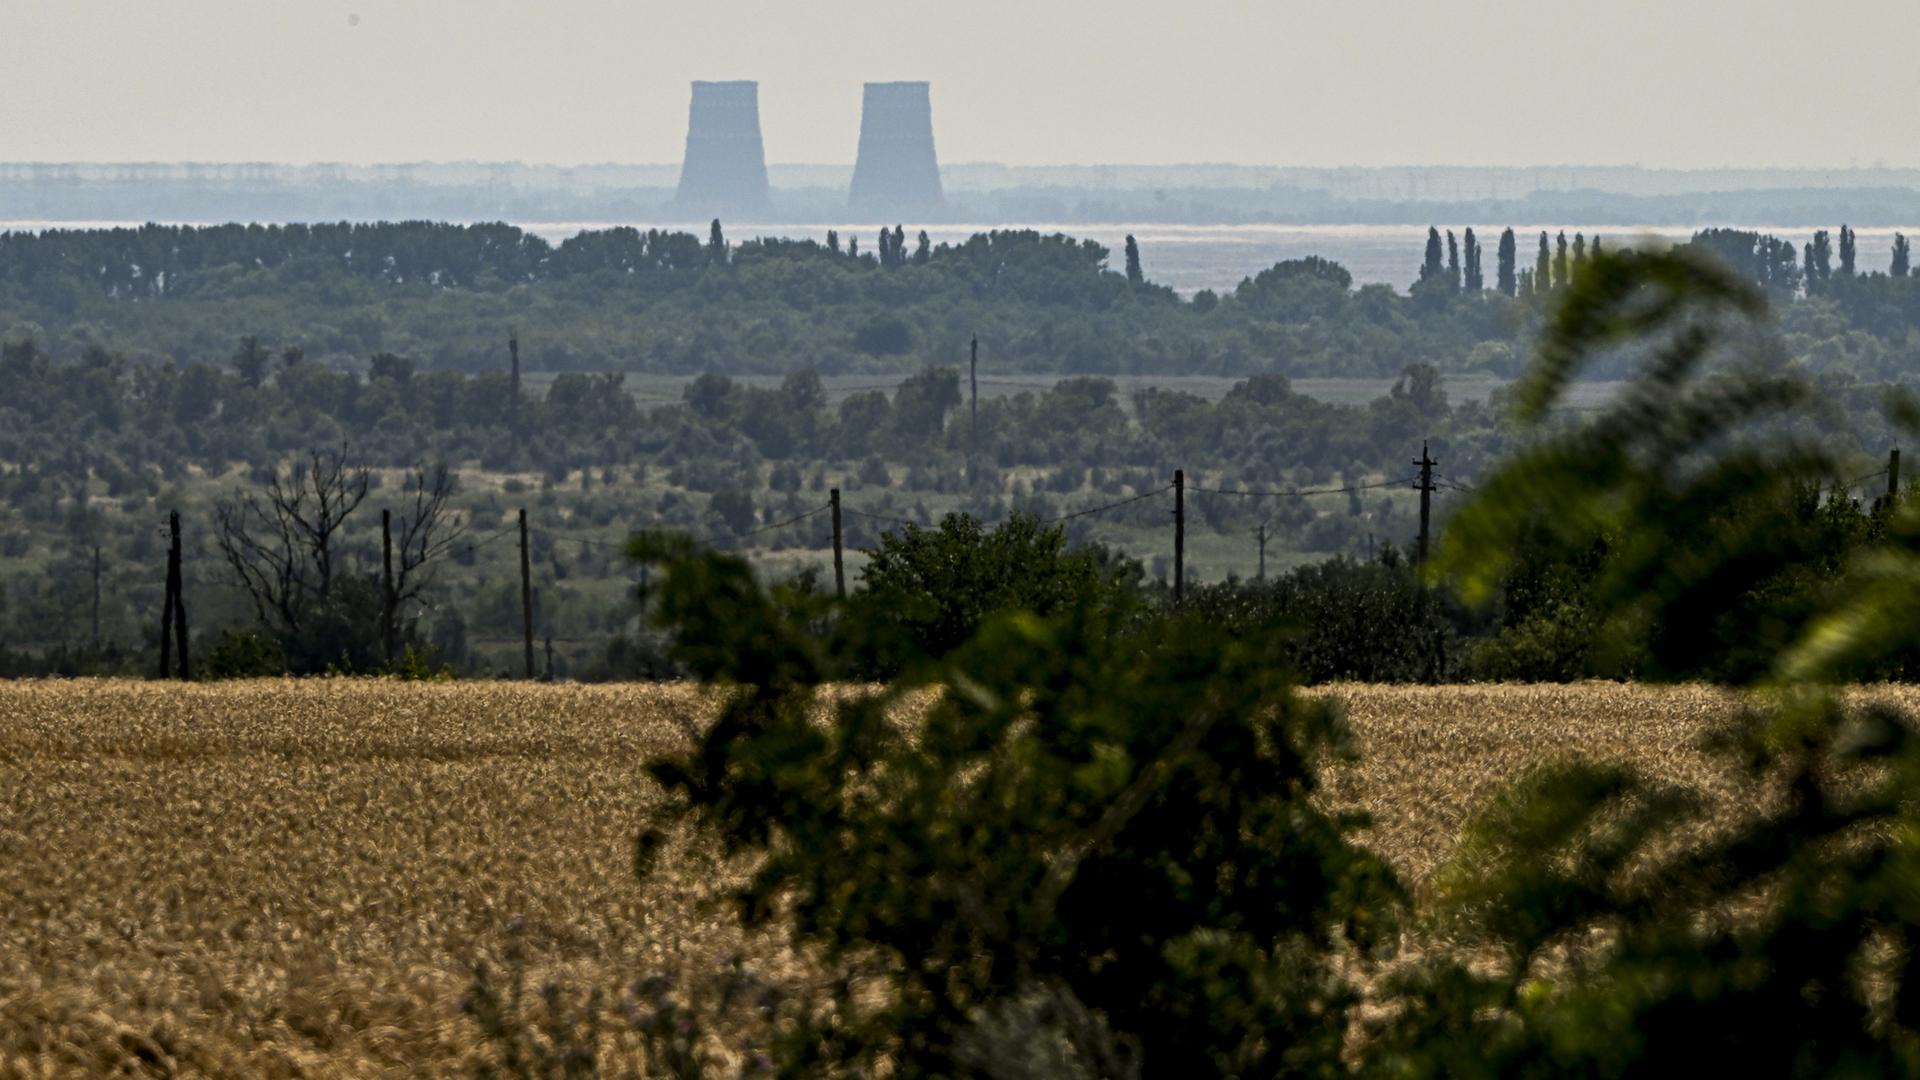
[1120, 819]
[245, 654]
[927, 591]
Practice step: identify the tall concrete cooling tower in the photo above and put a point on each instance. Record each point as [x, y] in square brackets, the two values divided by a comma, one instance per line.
[725, 171]
[897, 171]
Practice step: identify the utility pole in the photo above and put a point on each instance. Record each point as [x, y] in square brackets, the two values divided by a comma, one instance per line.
[166, 619]
[526, 592]
[184, 666]
[1179, 537]
[839, 567]
[549, 657]
[1425, 484]
[1893, 475]
[1261, 532]
[386, 584]
[96, 597]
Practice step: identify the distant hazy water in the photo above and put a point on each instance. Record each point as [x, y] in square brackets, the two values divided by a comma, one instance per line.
[1195, 257]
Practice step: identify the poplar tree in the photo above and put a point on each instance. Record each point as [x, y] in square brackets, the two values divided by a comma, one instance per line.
[1900, 256]
[1134, 274]
[1543, 267]
[1508, 257]
[1823, 255]
[1560, 274]
[1453, 262]
[1475, 280]
[1846, 251]
[1431, 267]
[1579, 250]
[923, 254]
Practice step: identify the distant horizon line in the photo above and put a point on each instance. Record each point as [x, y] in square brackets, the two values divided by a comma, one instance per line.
[974, 164]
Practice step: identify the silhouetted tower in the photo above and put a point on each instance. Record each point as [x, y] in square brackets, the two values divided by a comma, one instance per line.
[897, 173]
[725, 171]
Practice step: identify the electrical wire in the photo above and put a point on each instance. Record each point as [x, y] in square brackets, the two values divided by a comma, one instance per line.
[845, 509]
[1301, 491]
[1103, 509]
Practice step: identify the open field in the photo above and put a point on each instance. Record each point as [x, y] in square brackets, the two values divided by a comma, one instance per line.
[293, 878]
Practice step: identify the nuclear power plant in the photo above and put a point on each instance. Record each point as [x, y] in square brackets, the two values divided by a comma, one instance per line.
[725, 170]
[724, 174]
[897, 172]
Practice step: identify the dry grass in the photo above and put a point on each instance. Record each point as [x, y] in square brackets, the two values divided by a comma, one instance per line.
[279, 878]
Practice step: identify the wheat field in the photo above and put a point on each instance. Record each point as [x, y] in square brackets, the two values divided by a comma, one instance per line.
[285, 878]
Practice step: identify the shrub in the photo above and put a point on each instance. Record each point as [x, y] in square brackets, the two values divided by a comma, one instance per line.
[1117, 819]
[245, 654]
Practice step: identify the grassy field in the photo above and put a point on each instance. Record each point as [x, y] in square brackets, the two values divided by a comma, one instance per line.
[282, 878]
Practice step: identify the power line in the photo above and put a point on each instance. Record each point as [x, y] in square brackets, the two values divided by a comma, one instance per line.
[1300, 491]
[587, 540]
[797, 519]
[845, 509]
[1107, 507]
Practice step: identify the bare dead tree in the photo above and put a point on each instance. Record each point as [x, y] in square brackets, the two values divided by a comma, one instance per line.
[282, 546]
[428, 532]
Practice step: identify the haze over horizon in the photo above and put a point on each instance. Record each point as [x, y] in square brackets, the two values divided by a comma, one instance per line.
[1715, 83]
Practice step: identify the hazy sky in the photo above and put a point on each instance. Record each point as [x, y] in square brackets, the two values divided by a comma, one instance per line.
[1317, 82]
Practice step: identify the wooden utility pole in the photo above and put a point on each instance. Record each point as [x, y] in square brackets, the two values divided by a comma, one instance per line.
[1893, 473]
[1261, 532]
[166, 620]
[1179, 537]
[387, 605]
[526, 592]
[1425, 484]
[549, 676]
[184, 667]
[839, 566]
[96, 596]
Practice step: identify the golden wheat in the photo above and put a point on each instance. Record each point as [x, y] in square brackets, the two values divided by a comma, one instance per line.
[295, 878]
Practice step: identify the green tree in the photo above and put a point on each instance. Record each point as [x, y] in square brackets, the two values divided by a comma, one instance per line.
[931, 589]
[716, 243]
[1475, 279]
[1431, 268]
[250, 362]
[966, 865]
[1819, 262]
[1543, 268]
[1847, 251]
[1901, 254]
[1454, 273]
[1135, 275]
[1561, 275]
[1508, 261]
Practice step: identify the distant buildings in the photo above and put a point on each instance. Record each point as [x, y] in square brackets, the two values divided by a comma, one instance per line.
[725, 171]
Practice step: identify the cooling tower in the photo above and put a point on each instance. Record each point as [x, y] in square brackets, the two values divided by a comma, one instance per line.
[725, 172]
[897, 172]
